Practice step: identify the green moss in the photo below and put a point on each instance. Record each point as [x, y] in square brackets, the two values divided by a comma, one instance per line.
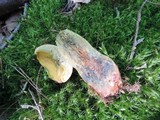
[111, 35]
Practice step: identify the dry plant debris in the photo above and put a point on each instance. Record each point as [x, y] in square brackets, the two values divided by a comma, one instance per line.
[73, 4]
[135, 41]
[37, 107]
[10, 25]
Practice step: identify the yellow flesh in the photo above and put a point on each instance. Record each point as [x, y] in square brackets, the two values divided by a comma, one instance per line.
[54, 70]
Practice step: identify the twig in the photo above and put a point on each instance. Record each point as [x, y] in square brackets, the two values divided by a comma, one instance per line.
[23, 89]
[37, 106]
[28, 106]
[138, 68]
[23, 73]
[25, 10]
[117, 12]
[155, 3]
[29, 80]
[39, 71]
[136, 42]
[141, 67]
[26, 77]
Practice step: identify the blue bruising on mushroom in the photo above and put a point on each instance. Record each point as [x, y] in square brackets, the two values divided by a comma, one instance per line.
[97, 77]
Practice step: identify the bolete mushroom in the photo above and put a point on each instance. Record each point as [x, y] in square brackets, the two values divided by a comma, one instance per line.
[97, 70]
[49, 57]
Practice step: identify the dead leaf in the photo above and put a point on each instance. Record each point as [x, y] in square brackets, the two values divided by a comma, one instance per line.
[73, 5]
[12, 21]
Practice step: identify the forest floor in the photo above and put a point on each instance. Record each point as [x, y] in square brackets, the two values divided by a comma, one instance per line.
[111, 31]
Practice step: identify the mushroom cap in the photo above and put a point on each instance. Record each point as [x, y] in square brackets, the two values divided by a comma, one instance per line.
[50, 58]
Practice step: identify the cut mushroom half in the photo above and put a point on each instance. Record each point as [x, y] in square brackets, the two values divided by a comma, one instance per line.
[73, 51]
[50, 58]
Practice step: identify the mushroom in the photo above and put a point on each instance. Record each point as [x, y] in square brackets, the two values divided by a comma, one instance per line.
[97, 70]
[50, 58]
